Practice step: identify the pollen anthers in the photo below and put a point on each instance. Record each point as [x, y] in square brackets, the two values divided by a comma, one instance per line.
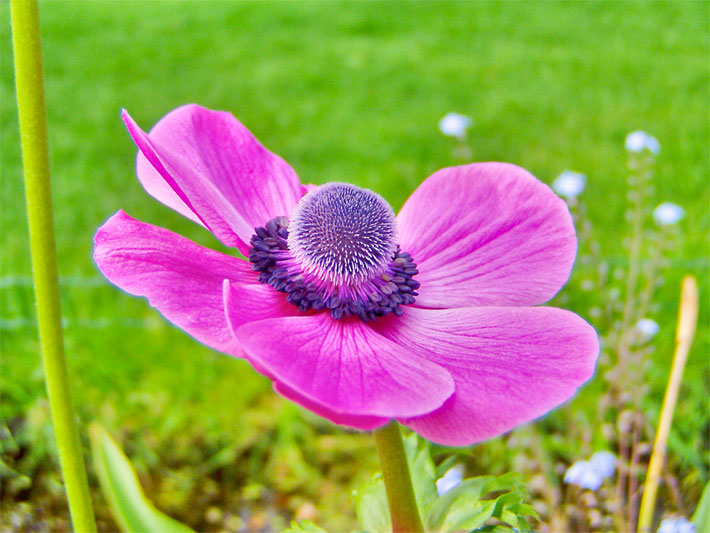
[339, 252]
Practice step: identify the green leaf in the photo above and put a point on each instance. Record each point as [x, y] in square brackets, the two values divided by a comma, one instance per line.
[506, 500]
[132, 510]
[469, 489]
[446, 464]
[371, 506]
[701, 518]
[304, 526]
[463, 508]
[464, 514]
[423, 472]
[511, 481]
[523, 509]
[467, 515]
[514, 520]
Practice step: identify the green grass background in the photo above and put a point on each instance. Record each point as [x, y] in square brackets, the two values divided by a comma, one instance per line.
[347, 92]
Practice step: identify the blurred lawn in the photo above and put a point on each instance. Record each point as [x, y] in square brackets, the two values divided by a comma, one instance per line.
[349, 92]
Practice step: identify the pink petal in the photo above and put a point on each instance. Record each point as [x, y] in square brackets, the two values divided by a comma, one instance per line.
[487, 234]
[510, 365]
[365, 423]
[206, 165]
[249, 303]
[180, 278]
[340, 367]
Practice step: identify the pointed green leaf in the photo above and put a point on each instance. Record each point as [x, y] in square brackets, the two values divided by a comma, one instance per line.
[701, 518]
[446, 464]
[133, 512]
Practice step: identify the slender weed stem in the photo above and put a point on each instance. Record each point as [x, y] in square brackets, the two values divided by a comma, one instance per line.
[687, 320]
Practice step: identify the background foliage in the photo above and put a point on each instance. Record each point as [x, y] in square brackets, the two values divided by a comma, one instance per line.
[349, 92]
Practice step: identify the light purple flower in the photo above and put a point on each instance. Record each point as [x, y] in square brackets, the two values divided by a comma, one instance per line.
[569, 184]
[450, 480]
[455, 125]
[584, 475]
[592, 473]
[668, 213]
[603, 462]
[677, 524]
[457, 353]
[638, 141]
[647, 327]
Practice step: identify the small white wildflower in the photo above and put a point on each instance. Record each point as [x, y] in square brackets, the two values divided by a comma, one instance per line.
[647, 327]
[455, 125]
[569, 184]
[583, 474]
[604, 463]
[450, 480]
[668, 213]
[677, 524]
[638, 141]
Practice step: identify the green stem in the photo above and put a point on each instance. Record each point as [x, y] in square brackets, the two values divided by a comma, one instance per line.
[29, 78]
[404, 512]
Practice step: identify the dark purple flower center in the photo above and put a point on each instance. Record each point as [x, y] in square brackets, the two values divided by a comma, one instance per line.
[339, 252]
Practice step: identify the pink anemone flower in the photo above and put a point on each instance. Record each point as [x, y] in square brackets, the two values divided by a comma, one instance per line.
[359, 315]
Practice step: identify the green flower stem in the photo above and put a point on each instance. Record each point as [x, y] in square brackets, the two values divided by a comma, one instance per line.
[398, 483]
[29, 79]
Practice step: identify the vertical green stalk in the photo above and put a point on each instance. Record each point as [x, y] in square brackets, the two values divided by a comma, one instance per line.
[29, 79]
[404, 512]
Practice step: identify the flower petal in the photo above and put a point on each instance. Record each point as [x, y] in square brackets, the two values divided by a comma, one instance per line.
[339, 365]
[510, 365]
[363, 422]
[180, 278]
[216, 171]
[249, 303]
[487, 234]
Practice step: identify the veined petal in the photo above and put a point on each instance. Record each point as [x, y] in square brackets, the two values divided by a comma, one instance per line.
[510, 365]
[249, 303]
[487, 234]
[362, 422]
[206, 165]
[180, 278]
[342, 366]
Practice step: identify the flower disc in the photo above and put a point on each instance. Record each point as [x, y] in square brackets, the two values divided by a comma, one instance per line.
[342, 233]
